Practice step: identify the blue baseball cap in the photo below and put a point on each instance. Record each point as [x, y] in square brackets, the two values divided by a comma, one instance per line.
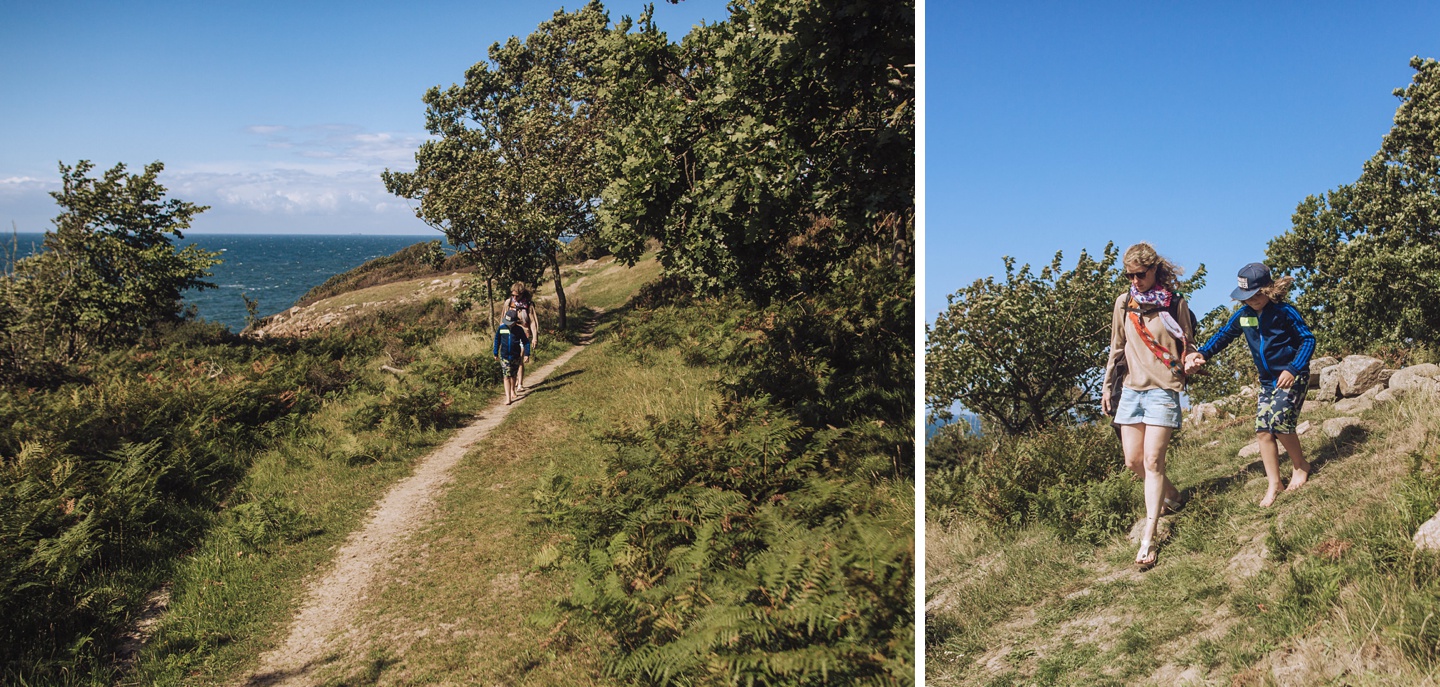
[1251, 278]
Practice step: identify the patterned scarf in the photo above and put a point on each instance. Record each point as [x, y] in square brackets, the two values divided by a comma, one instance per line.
[1158, 298]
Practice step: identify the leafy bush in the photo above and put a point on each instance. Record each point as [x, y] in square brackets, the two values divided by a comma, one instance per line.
[766, 542]
[719, 549]
[108, 476]
[1071, 478]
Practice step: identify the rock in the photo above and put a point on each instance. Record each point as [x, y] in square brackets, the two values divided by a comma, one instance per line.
[1162, 530]
[1302, 428]
[1329, 387]
[1358, 373]
[1336, 426]
[1248, 391]
[1203, 413]
[1385, 376]
[1358, 403]
[1428, 536]
[1387, 395]
[1416, 378]
[1252, 450]
[1319, 364]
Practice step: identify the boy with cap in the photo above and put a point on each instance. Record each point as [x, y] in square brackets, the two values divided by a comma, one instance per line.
[511, 344]
[1280, 345]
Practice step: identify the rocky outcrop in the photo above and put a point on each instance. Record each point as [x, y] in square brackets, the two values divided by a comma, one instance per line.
[1428, 536]
[1358, 374]
[1424, 377]
[1336, 426]
[301, 321]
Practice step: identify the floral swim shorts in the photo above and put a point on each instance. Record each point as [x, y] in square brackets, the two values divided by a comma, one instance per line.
[1276, 409]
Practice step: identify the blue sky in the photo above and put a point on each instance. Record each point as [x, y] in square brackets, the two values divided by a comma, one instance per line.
[1196, 126]
[278, 115]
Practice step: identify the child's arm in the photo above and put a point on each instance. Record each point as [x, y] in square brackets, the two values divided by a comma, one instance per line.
[1222, 338]
[495, 348]
[525, 345]
[1183, 310]
[1307, 340]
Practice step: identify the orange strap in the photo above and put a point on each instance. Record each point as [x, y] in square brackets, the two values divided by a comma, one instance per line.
[1160, 351]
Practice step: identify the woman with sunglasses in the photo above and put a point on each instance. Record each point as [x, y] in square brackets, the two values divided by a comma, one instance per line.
[1151, 333]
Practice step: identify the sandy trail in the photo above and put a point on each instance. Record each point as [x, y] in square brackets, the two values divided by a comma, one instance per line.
[367, 554]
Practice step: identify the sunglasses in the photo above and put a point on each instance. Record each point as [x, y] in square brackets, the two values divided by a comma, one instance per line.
[1132, 276]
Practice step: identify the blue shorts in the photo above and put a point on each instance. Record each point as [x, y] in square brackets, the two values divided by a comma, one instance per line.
[1160, 407]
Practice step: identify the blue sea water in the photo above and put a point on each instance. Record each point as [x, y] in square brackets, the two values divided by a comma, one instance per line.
[274, 269]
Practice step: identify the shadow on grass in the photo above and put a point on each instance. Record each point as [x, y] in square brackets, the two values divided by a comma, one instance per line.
[1342, 446]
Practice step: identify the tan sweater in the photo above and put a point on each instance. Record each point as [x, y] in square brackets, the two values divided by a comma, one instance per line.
[1144, 371]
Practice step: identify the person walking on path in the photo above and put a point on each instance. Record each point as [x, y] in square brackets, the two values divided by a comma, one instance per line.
[1151, 332]
[1280, 345]
[512, 349]
[520, 301]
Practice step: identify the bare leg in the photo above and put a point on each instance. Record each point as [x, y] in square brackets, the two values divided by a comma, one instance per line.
[1155, 442]
[519, 376]
[1270, 457]
[1133, 441]
[1300, 468]
[509, 390]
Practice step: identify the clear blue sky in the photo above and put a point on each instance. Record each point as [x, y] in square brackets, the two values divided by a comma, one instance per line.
[279, 115]
[1196, 126]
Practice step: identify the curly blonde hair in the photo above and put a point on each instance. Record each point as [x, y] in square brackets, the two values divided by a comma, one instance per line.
[1166, 274]
[1277, 289]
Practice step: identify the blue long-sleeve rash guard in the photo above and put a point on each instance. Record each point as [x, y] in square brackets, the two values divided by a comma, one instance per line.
[510, 343]
[1278, 337]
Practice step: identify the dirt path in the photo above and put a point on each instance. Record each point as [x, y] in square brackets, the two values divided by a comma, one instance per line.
[320, 626]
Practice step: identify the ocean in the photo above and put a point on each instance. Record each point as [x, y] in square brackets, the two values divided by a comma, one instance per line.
[274, 269]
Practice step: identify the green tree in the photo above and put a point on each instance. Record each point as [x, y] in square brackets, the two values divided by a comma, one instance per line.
[512, 174]
[1024, 353]
[764, 150]
[1366, 255]
[108, 271]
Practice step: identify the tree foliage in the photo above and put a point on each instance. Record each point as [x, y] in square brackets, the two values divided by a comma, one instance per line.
[764, 150]
[512, 172]
[1029, 352]
[108, 271]
[1366, 255]
[1024, 353]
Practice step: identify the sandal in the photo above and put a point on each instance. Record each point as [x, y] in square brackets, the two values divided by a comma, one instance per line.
[1147, 556]
[1170, 506]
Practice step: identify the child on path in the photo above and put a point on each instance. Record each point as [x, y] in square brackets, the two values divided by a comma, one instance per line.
[1280, 345]
[520, 301]
[511, 345]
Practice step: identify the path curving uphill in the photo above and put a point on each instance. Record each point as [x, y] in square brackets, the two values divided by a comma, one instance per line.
[320, 626]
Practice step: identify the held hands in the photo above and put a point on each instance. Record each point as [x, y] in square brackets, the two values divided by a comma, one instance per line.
[1193, 363]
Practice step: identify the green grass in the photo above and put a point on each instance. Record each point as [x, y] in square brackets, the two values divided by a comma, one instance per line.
[477, 610]
[234, 594]
[1324, 585]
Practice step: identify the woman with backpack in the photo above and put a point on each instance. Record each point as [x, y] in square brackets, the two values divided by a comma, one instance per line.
[520, 302]
[1151, 333]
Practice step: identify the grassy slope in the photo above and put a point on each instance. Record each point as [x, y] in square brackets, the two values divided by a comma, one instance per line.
[1324, 588]
[232, 600]
[466, 613]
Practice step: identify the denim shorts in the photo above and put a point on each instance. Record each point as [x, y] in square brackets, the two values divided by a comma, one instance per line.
[1160, 407]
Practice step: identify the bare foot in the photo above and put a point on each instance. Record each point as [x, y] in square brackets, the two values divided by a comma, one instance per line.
[1269, 496]
[1298, 478]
